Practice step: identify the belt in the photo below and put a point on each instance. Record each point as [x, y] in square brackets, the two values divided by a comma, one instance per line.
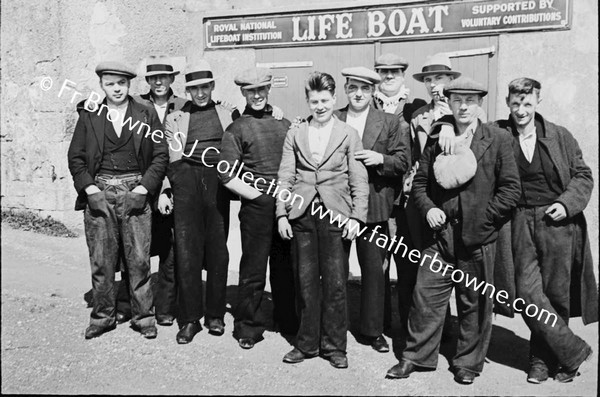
[114, 180]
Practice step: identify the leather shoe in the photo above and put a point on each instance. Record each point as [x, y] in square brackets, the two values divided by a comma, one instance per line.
[246, 343]
[338, 360]
[538, 372]
[216, 326]
[380, 345]
[165, 320]
[94, 331]
[401, 370]
[566, 375]
[187, 332]
[149, 332]
[295, 356]
[464, 377]
[122, 317]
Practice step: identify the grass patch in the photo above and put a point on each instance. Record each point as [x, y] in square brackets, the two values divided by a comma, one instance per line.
[26, 220]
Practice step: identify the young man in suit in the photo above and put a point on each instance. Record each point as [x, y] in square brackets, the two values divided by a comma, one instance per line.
[386, 157]
[550, 244]
[116, 169]
[463, 204]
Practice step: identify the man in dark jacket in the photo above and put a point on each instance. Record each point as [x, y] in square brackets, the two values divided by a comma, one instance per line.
[463, 205]
[117, 158]
[549, 238]
[386, 157]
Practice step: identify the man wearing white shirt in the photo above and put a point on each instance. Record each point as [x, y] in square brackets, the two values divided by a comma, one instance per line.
[386, 157]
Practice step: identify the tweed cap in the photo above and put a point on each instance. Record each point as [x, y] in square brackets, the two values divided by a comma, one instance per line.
[391, 61]
[361, 73]
[159, 64]
[436, 64]
[198, 73]
[465, 85]
[115, 67]
[254, 77]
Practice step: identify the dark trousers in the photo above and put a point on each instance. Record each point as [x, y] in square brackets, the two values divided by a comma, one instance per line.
[261, 244]
[165, 297]
[201, 218]
[117, 220]
[371, 258]
[543, 257]
[320, 258]
[431, 297]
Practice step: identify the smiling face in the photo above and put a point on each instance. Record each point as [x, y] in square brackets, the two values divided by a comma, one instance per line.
[116, 88]
[391, 81]
[359, 94]
[320, 104]
[257, 97]
[465, 108]
[160, 84]
[202, 94]
[522, 108]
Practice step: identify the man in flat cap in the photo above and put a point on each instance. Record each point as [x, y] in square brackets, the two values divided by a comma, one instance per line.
[464, 198]
[116, 170]
[550, 245]
[255, 140]
[386, 158]
[200, 205]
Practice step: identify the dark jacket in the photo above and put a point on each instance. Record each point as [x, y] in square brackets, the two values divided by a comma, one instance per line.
[87, 144]
[383, 135]
[488, 198]
[577, 184]
[174, 102]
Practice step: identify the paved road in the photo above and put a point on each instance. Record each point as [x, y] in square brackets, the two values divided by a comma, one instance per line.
[44, 315]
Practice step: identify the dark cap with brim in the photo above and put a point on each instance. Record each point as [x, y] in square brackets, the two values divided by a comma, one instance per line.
[465, 85]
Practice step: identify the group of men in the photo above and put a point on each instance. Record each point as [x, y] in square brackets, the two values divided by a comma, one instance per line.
[440, 179]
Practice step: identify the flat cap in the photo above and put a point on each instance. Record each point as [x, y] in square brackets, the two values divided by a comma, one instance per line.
[198, 73]
[254, 77]
[361, 73]
[391, 61]
[465, 85]
[115, 67]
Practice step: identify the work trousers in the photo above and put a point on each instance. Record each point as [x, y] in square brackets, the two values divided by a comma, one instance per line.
[117, 220]
[432, 294]
[371, 258]
[165, 297]
[262, 245]
[543, 258]
[201, 218]
[320, 258]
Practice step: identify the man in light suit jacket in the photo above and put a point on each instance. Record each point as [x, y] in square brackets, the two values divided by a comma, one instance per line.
[386, 157]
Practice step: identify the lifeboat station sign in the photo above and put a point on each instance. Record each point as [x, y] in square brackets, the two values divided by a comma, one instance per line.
[396, 22]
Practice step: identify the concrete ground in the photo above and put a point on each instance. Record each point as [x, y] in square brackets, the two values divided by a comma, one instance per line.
[44, 315]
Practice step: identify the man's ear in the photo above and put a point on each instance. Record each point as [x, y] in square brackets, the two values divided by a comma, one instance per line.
[508, 101]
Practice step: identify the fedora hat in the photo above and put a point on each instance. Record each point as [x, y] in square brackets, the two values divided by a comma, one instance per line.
[436, 64]
[198, 73]
[159, 64]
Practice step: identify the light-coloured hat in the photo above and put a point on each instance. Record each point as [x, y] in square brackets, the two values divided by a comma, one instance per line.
[436, 64]
[391, 61]
[159, 64]
[198, 73]
[115, 67]
[361, 73]
[254, 77]
[465, 85]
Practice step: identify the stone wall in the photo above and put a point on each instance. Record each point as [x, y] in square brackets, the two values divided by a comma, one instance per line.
[65, 40]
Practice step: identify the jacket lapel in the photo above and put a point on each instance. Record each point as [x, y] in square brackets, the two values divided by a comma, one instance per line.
[338, 135]
[481, 142]
[549, 139]
[136, 114]
[373, 128]
[303, 145]
[98, 121]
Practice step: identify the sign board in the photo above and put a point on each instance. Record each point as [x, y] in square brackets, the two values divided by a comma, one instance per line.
[394, 22]
[279, 82]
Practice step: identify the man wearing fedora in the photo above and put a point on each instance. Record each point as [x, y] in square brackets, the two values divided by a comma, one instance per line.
[200, 205]
[256, 141]
[436, 73]
[159, 76]
[550, 245]
[464, 199]
[116, 171]
[386, 158]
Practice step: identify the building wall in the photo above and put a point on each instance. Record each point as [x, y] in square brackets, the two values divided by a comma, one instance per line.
[65, 40]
